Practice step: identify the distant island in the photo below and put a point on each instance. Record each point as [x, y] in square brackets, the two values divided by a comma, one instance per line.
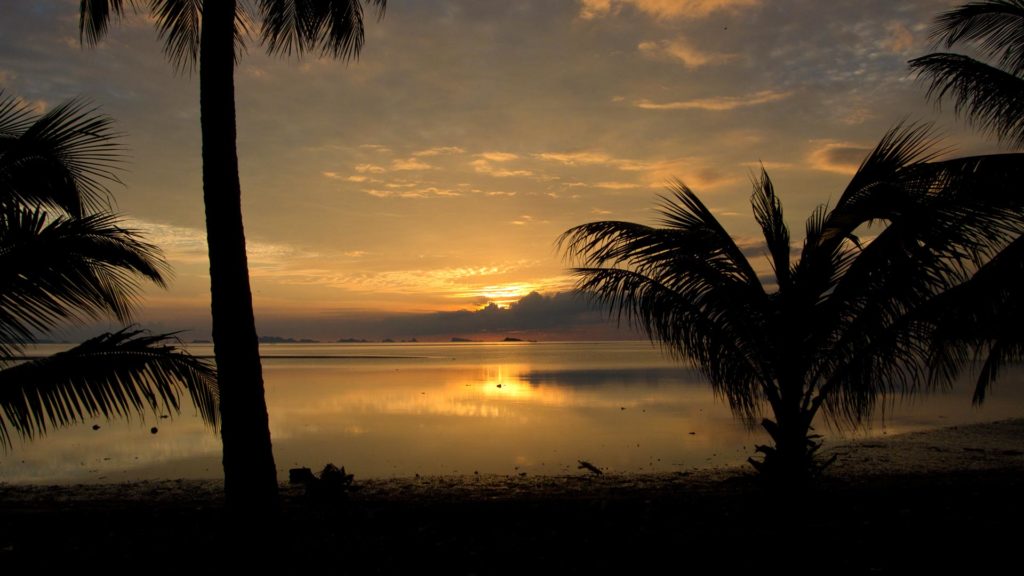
[365, 341]
[281, 340]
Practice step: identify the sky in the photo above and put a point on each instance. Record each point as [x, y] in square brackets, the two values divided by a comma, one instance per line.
[419, 191]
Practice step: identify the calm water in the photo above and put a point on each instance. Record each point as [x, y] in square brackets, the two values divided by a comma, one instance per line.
[401, 409]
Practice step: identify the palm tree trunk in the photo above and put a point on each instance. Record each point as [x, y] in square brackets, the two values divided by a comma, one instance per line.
[250, 476]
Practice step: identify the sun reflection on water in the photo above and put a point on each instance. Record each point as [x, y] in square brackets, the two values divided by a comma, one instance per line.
[398, 410]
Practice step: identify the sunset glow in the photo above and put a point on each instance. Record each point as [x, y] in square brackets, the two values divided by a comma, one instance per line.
[435, 174]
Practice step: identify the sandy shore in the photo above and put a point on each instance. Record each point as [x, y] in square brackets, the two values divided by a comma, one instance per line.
[954, 495]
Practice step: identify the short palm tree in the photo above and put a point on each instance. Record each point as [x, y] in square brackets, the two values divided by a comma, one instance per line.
[853, 320]
[64, 259]
[990, 96]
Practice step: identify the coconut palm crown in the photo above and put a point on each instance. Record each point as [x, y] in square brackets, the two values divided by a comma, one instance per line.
[854, 319]
[989, 95]
[65, 258]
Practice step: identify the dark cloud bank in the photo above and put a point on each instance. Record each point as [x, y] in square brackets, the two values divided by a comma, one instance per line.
[560, 316]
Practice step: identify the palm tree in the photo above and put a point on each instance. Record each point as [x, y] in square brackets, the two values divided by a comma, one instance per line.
[989, 95]
[212, 34]
[854, 320]
[73, 264]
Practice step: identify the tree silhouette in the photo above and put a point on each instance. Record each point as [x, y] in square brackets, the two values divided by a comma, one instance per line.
[212, 34]
[985, 323]
[990, 96]
[63, 259]
[855, 319]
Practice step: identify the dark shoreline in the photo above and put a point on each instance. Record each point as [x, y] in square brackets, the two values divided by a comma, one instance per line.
[919, 502]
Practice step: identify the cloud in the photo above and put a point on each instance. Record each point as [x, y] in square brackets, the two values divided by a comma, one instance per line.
[458, 282]
[717, 104]
[376, 148]
[530, 314]
[438, 150]
[524, 220]
[419, 193]
[183, 244]
[839, 157]
[590, 9]
[900, 39]
[483, 166]
[579, 158]
[654, 173]
[662, 9]
[498, 156]
[410, 164]
[679, 49]
[369, 168]
[767, 165]
[616, 185]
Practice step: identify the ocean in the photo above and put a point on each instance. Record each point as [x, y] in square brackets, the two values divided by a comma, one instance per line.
[390, 410]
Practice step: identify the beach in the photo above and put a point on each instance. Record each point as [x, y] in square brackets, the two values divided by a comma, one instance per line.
[924, 500]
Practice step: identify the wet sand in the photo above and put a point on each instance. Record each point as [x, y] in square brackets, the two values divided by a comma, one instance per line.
[923, 501]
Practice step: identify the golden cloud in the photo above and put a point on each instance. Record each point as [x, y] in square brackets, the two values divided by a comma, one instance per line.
[410, 164]
[438, 150]
[662, 9]
[679, 49]
[838, 157]
[717, 104]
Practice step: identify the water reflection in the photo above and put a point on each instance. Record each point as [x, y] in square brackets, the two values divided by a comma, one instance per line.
[398, 410]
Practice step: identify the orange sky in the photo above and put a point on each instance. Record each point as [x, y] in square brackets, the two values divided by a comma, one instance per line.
[436, 172]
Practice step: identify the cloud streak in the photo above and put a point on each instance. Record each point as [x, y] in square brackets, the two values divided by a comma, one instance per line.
[717, 104]
[662, 9]
[681, 50]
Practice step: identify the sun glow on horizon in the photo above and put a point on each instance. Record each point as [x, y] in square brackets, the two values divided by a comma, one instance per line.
[502, 295]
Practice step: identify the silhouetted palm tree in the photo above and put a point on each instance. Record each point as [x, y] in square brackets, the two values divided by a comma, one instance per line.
[853, 320]
[72, 264]
[212, 34]
[990, 96]
[985, 325]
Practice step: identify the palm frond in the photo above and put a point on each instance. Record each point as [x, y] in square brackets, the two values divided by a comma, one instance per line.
[179, 24]
[15, 116]
[94, 17]
[61, 159]
[876, 193]
[979, 321]
[870, 194]
[990, 98]
[113, 375]
[957, 216]
[61, 269]
[768, 213]
[330, 27]
[996, 26]
[688, 286]
[716, 338]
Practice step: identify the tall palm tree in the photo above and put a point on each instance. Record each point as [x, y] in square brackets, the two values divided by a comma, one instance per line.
[212, 34]
[990, 96]
[855, 319]
[62, 260]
